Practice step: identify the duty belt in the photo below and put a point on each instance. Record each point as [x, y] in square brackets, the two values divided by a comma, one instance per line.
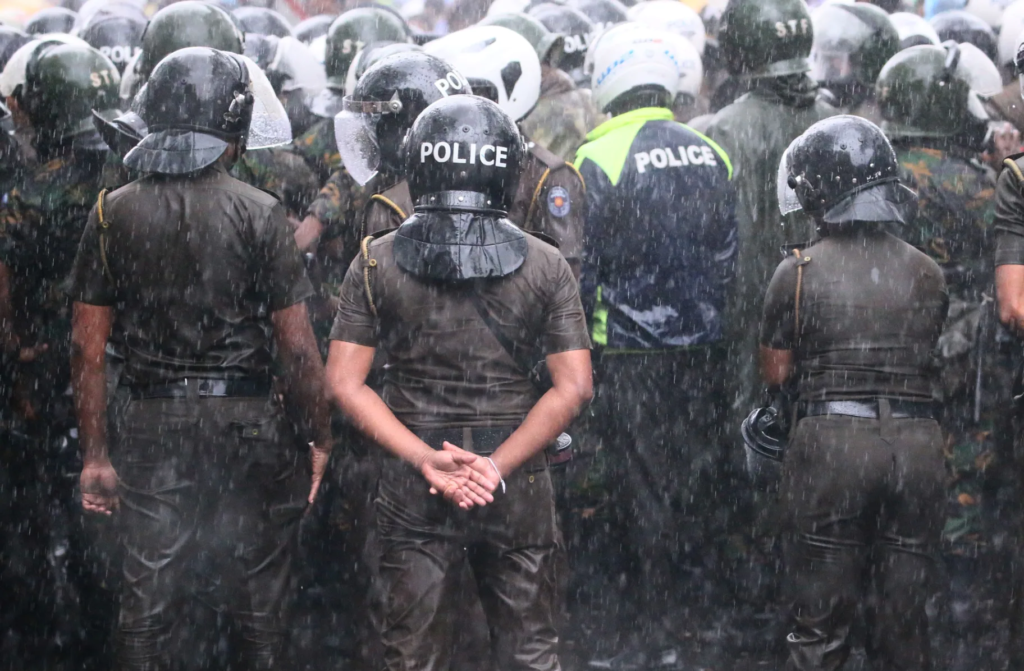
[479, 440]
[203, 388]
[869, 409]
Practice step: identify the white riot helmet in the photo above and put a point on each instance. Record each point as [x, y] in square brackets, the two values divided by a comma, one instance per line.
[979, 71]
[913, 30]
[1010, 33]
[630, 56]
[499, 64]
[691, 70]
[989, 11]
[673, 16]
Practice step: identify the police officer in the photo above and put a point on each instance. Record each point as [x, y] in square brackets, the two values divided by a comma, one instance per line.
[766, 44]
[42, 216]
[656, 278]
[202, 455]
[350, 33]
[563, 114]
[577, 31]
[551, 194]
[938, 154]
[851, 44]
[473, 428]
[853, 322]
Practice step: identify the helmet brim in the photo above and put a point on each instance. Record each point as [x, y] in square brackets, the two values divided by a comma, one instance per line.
[327, 103]
[887, 202]
[793, 66]
[175, 152]
[85, 134]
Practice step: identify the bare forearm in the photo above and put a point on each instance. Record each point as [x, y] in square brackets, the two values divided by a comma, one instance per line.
[776, 366]
[552, 414]
[90, 389]
[1010, 294]
[305, 392]
[368, 412]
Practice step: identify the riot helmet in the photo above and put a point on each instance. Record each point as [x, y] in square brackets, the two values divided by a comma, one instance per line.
[548, 45]
[11, 39]
[1010, 33]
[186, 24]
[63, 84]
[350, 33]
[51, 20]
[631, 58]
[913, 30]
[288, 63]
[843, 170]
[923, 93]
[602, 13]
[13, 75]
[120, 133]
[851, 44]
[499, 64]
[978, 69]
[262, 21]
[766, 38]
[673, 16]
[116, 36]
[961, 26]
[577, 31]
[196, 102]
[309, 29]
[371, 55]
[382, 108]
[764, 443]
[989, 11]
[463, 157]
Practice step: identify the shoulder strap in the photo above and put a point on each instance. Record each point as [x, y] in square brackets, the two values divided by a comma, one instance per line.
[536, 194]
[390, 204]
[104, 229]
[368, 263]
[1015, 169]
[495, 328]
[801, 261]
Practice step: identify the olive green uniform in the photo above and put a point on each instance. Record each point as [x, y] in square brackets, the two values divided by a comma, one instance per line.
[563, 116]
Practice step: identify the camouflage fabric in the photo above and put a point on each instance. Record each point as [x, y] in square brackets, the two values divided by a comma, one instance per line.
[318, 148]
[283, 172]
[41, 223]
[955, 209]
[563, 116]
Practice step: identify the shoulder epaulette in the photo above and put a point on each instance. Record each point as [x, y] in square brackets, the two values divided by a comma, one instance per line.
[550, 159]
[368, 263]
[1013, 166]
[543, 237]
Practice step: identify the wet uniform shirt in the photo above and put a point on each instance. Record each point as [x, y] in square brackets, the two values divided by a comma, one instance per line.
[871, 311]
[660, 232]
[198, 263]
[1009, 217]
[445, 368]
[318, 148]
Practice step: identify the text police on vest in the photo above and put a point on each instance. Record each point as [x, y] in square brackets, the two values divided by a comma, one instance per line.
[665, 158]
[442, 152]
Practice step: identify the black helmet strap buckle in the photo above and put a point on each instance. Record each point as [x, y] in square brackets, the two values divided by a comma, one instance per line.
[392, 106]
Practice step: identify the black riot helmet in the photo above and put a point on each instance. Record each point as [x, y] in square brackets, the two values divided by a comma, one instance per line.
[350, 33]
[196, 101]
[765, 436]
[766, 38]
[386, 100]
[463, 160]
[262, 21]
[309, 29]
[602, 13]
[187, 24]
[548, 45]
[851, 45]
[118, 36]
[64, 83]
[923, 93]
[843, 170]
[577, 31]
[11, 39]
[51, 20]
[120, 133]
[354, 30]
[962, 26]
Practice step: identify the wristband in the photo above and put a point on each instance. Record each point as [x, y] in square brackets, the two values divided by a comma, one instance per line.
[502, 481]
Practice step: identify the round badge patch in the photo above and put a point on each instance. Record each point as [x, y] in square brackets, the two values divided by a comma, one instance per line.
[558, 202]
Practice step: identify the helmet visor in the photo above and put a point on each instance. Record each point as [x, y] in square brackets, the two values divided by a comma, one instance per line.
[832, 67]
[355, 130]
[15, 72]
[269, 126]
[788, 201]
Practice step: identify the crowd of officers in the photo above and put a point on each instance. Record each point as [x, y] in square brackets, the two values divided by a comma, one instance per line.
[347, 341]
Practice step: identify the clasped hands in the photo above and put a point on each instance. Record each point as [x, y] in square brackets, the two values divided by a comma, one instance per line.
[462, 478]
